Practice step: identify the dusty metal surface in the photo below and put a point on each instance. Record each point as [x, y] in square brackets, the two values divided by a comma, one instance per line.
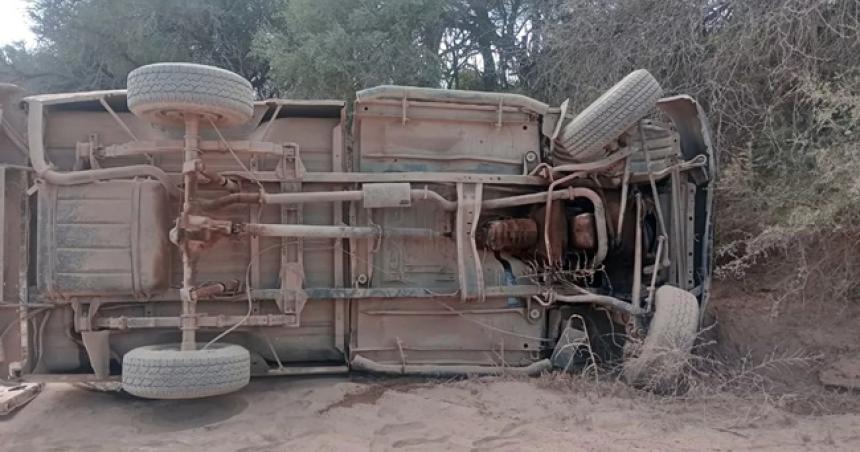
[13, 264]
[103, 238]
[444, 236]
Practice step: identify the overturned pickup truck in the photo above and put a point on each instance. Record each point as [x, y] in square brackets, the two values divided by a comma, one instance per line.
[185, 237]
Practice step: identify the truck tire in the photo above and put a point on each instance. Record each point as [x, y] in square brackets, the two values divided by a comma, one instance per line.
[658, 362]
[163, 92]
[166, 372]
[618, 109]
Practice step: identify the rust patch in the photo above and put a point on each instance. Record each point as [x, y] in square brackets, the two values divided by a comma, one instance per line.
[582, 231]
[516, 234]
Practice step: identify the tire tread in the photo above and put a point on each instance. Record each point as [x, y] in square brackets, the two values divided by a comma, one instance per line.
[164, 372]
[178, 86]
[609, 116]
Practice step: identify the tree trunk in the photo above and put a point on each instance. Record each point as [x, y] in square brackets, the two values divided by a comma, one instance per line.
[484, 33]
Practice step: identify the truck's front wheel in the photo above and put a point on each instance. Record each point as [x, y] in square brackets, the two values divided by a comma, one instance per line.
[166, 372]
[658, 362]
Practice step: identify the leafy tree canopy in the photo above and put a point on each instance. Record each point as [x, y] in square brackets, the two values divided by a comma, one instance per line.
[334, 47]
[93, 44]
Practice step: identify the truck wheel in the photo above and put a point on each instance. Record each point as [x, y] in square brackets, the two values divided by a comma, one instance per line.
[162, 92]
[166, 372]
[658, 362]
[618, 109]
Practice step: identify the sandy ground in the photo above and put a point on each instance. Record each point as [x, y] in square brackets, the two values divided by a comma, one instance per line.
[786, 409]
[489, 414]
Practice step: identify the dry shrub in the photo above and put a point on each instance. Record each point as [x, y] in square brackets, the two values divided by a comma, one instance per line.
[780, 80]
[709, 371]
[756, 65]
[708, 379]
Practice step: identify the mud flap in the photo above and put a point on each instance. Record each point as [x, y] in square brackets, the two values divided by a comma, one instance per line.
[98, 349]
[568, 351]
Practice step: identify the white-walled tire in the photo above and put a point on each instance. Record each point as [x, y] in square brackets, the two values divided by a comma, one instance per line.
[659, 361]
[166, 372]
[619, 108]
[161, 93]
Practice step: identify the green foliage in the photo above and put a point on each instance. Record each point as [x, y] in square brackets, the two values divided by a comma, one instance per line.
[326, 48]
[331, 48]
[93, 44]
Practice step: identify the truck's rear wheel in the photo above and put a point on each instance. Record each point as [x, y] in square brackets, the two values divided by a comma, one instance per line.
[619, 108]
[166, 372]
[162, 93]
[658, 362]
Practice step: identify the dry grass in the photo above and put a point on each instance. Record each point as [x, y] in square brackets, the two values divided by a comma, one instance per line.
[712, 379]
[780, 82]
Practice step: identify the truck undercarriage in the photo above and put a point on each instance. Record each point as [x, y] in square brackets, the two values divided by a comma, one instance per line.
[449, 233]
